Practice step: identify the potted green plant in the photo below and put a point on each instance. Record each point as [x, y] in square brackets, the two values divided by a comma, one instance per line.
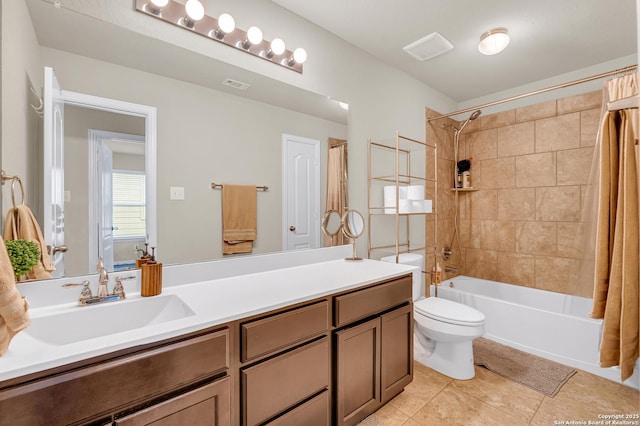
[23, 256]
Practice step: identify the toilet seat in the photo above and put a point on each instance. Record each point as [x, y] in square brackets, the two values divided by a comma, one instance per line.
[448, 311]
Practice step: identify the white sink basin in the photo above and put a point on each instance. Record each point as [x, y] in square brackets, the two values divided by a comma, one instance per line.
[87, 322]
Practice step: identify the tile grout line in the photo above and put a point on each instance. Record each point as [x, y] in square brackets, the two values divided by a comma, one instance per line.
[537, 409]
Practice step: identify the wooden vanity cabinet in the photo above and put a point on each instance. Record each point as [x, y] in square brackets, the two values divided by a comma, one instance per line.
[158, 380]
[286, 371]
[374, 355]
[208, 404]
[330, 360]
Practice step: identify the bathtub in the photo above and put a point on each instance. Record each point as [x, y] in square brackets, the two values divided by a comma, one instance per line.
[551, 325]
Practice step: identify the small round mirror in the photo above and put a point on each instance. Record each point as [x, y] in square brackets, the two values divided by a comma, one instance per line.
[331, 223]
[353, 227]
[352, 223]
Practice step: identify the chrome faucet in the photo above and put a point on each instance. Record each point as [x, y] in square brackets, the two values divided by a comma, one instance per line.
[87, 298]
[103, 279]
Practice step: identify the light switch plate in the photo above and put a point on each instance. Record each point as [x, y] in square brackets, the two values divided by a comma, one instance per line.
[176, 193]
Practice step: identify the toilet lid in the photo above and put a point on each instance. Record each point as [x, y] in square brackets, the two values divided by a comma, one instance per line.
[448, 311]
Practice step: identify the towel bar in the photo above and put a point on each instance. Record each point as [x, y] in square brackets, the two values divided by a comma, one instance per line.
[219, 185]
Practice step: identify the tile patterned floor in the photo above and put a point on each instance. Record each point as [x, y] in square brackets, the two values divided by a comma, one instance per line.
[489, 399]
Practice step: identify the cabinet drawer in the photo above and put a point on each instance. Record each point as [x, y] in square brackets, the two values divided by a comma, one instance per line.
[370, 301]
[284, 329]
[87, 392]
[275, 385]
[207, 405]
[313, 412]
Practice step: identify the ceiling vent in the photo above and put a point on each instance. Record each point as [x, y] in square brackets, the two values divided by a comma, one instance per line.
[428, 47]
[235, 84]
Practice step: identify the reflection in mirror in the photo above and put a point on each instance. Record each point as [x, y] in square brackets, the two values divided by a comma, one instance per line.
[353, 227]
[206, 131]
[331, 223]
[106, 191]
[337, 185]
[104, 159]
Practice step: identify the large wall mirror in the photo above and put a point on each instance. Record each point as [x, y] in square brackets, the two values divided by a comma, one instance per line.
[206, 132]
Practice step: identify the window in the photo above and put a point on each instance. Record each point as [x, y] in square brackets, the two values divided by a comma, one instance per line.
[129, 209]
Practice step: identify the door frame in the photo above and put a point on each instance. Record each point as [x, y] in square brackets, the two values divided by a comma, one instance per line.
[149, 113]
[286, 139]
[95, 205]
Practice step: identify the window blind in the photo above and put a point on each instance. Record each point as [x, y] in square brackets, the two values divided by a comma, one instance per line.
[129, 209]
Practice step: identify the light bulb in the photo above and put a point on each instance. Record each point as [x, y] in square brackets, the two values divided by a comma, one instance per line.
[254, 35]
[159, 3]
[277, 46]
[300, 55]
[195, 10]
[226, 23]
[155, 6]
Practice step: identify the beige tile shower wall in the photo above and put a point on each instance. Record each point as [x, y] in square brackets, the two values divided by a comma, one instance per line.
[530, 166]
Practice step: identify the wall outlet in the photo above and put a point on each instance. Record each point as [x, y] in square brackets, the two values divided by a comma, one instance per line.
[176, 193]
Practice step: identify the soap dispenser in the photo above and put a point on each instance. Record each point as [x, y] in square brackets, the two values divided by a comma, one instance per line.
[151, 272]
[144, 255]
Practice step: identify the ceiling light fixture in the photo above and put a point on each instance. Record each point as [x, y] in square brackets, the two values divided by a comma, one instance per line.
[191, 15]
[494, 41]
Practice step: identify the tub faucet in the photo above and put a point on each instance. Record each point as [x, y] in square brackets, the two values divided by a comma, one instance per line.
[453, 269]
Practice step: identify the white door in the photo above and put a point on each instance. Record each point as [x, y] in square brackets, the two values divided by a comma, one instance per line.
[301, 192]
[105, 226]
[53, 158]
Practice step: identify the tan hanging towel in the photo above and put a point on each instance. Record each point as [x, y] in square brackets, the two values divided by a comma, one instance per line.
[238, 218]
[14, 316]
[21, 224]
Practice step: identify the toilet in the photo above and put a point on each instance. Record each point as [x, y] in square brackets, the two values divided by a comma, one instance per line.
[443, 330]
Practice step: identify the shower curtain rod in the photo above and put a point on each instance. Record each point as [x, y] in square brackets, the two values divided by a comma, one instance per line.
[537, 92]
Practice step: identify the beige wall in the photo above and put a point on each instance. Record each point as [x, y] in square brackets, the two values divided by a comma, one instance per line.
[530, 166]
[20, 133]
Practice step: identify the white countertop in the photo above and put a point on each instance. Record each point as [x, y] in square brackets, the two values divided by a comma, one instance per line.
[213, 302]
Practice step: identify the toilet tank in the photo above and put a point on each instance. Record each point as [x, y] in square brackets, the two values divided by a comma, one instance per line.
[413, 259]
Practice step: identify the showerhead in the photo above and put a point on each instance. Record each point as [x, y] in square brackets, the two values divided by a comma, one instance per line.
[475, 114]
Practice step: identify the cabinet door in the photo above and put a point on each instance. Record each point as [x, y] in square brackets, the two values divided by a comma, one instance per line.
[315, 412]
[358, 372]
[396, 351]
[273, 386]
[207, 405]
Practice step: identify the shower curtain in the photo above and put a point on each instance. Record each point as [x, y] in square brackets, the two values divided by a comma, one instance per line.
[336, 184]
[616, 296]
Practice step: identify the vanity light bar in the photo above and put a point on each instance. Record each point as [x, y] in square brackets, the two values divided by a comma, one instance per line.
[175, 13]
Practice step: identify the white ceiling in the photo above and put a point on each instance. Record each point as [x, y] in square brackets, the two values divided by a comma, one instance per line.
[548, 37]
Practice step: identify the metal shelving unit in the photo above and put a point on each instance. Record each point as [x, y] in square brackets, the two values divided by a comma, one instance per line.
[399, 162]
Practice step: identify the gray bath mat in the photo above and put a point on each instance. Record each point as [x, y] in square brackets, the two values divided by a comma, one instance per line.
[533, 371]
